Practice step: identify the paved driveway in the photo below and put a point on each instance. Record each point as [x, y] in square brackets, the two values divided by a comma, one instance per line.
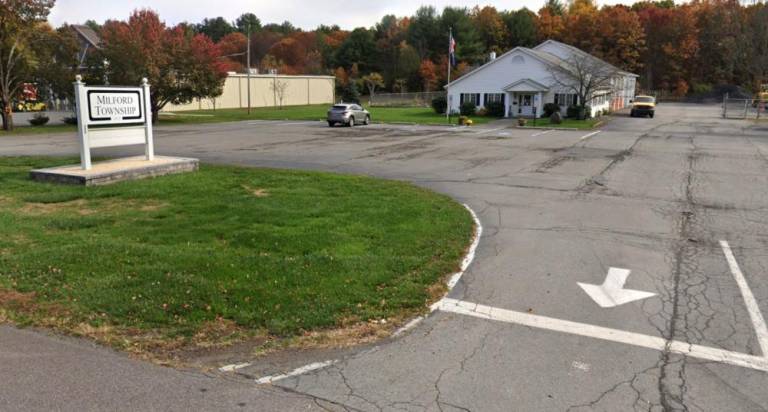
[674, 206]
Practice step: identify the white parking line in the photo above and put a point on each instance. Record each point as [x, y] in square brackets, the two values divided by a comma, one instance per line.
[298, 371]
[587, 136]
[608, 334]
[749, 299]
[542, 133]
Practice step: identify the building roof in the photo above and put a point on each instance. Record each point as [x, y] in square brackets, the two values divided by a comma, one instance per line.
[545, 57]
[581, 53]
[87, 34]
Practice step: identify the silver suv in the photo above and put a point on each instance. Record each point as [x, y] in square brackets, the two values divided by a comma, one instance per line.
[348, 114]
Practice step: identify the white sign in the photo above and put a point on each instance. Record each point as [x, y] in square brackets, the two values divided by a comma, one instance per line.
[612, 293]
[126, 108]
[114, 105]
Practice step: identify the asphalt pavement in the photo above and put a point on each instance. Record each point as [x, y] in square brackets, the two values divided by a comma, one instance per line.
[619, 270]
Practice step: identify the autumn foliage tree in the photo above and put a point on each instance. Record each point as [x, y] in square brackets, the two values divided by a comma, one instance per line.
[181, 66]
[19, 20]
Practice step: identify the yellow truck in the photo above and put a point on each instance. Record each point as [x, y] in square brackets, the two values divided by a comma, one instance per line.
[643, 106]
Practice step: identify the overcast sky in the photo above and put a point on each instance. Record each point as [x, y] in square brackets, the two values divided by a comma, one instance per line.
[306, 14]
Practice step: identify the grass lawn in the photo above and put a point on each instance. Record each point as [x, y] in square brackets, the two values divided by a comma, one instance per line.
[567, 123]
[416, 115]
[245, 251]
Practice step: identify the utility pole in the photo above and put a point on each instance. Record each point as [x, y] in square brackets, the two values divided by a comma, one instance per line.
[248, 63]
[448, 95]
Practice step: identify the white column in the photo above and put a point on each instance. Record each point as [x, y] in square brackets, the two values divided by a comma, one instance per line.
[82, 128]
[149, 145]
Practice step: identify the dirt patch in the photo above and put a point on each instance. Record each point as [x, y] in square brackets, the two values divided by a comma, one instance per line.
[256, 191]
[17, 300]
[41, 209]
[85, 207]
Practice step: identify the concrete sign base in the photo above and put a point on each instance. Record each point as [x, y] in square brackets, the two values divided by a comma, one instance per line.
[112, 171]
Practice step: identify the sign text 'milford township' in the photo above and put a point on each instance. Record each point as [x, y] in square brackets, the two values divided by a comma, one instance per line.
[115, 105]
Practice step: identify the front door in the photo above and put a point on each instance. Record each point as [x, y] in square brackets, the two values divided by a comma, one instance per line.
[525, 104]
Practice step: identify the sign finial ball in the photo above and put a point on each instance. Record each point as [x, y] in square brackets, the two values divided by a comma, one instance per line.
[144, 81]
[79, 78]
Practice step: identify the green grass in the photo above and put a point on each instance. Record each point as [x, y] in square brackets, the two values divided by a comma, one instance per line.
[415, 115]
[279, 252]
[567, 123]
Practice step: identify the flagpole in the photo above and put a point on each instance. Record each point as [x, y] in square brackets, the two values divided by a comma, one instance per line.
[447, 95]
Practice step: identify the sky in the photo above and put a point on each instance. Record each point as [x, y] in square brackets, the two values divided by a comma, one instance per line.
[306, 14]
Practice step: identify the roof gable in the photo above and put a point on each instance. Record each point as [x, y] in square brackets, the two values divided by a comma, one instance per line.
[525, 85]
[517, 50]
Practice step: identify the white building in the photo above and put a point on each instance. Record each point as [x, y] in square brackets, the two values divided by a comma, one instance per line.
[525, 80]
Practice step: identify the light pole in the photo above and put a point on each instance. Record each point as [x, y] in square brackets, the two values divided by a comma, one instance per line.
[248, 63]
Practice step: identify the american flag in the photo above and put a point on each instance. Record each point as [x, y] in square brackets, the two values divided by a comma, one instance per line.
[452, 51]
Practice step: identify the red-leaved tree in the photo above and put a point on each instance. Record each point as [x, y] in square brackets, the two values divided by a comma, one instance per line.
[181, 66]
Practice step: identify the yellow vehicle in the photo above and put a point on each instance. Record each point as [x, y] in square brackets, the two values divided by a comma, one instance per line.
[642, 106]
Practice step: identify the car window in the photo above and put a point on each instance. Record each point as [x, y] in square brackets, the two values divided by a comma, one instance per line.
[356, 107]
[644, 99]
[340, 107]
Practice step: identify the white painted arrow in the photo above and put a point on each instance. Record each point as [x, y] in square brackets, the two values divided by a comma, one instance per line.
[612, 293]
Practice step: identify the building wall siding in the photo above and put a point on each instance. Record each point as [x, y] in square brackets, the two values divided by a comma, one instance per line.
[300, 90]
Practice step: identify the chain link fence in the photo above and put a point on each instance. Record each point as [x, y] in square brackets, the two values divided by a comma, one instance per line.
[421, 99]
[743, 108]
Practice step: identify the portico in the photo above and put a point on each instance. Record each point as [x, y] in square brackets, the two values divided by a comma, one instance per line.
[524, 98]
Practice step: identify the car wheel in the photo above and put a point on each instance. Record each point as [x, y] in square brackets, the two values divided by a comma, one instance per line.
[367, 120]
[650, 114]
[632, 113]
[351, 122]
[330, 124]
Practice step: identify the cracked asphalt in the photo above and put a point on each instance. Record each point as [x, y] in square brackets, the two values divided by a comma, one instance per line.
[651, 195]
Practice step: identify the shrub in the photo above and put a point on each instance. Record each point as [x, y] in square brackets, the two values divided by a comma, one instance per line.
[482, 111]
[579, 112]
[495, 109]
[573, 111]
[550, 108]
[349, 93]
[72, 120]
[39, 119]
[468, 109]
[439, 104]
[556, 118]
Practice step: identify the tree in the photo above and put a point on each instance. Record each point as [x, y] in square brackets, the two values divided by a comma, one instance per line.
[671, 46]
[19, 20]
[93, 24]
[469, 46]
[180, 66]
[428, 73]
[215, 28]
[58, 62]
[359, 48]
[490, 25]
[549, 26]
[248, 22]
[425, 34]
[555, 7]
[583, 75]
[279, 88]
[521, 28]
[232, 50]
[621, 38]
[372, 81]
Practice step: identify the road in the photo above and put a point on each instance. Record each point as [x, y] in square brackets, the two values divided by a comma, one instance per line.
[679, 201]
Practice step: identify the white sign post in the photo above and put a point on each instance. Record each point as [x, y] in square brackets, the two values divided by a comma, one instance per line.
[127, 108]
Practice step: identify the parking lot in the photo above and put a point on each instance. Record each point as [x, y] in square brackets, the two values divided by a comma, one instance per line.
[673, 211]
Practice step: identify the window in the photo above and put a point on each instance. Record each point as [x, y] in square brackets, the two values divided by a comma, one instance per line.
[470, 97]
[493, 98]
[565, 99]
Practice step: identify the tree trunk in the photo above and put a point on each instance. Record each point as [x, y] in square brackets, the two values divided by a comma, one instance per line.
[7, 117]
